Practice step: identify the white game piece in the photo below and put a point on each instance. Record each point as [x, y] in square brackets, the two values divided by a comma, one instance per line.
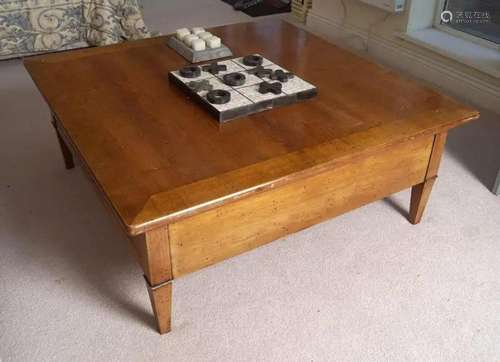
[213, 42]
[198, 45]
[181, 33]
[205, 35]
[188, 39]
[197, 31]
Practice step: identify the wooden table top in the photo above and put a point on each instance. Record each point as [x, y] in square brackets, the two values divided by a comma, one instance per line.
[158, 156]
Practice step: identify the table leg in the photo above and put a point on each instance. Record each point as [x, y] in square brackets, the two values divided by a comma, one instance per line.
[161, 301]
[153, 252]
[66, 152]
[420, 193]
[419, 196]
[496, 187]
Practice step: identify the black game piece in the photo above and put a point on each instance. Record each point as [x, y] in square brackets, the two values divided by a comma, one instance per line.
[252, 60]
[266, 87]
[190, 72]
[234, 79]
[281, 76]
[219, 96]
[260, 71]
[238, 95]
[214, 68]
[201, 85]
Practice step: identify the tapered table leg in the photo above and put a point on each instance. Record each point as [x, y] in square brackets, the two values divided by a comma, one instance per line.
[419, 196]
[69, 162]
[496, 187]
[161, 301]
[420, 193]
[153, 252]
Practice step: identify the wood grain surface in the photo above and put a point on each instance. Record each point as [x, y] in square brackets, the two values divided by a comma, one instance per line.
[231, 229]
[161, 302]
[420, 193]
[152, 250]
[158, 157]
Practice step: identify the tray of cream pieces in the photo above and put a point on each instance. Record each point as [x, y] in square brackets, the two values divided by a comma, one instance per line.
[197, 45]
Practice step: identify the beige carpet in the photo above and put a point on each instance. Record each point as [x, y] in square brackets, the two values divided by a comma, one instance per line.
[364, 286]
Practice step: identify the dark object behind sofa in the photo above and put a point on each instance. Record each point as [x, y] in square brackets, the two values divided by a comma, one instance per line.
[268, 7]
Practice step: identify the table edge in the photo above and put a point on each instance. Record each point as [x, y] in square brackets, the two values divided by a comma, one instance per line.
[145, 221]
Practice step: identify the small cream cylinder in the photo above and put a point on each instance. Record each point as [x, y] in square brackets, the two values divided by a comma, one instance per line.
[181, 33]
[197, 31]
[188, 39]
[205, 35]
[198, 45]
[213, 42]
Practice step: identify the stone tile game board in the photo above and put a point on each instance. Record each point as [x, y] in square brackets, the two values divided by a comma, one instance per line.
[241, 86]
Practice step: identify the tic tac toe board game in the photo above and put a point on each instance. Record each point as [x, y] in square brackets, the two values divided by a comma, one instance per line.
[241, 86]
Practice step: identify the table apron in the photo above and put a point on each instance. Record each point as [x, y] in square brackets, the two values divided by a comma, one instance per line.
[231, 229]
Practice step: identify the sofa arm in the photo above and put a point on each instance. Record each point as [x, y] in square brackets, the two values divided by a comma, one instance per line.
[41, 26]
[37, 27]
[111, 21]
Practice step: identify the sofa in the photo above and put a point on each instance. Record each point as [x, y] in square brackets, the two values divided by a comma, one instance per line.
[30, 27]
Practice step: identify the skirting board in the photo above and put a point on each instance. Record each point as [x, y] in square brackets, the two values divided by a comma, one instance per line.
[420, 63]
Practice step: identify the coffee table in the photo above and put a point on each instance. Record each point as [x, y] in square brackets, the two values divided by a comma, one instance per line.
[190, 192]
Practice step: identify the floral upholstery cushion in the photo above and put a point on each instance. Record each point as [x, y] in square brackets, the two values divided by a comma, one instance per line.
[35, 26]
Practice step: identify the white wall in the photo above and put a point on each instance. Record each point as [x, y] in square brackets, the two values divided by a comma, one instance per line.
[377, 34]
